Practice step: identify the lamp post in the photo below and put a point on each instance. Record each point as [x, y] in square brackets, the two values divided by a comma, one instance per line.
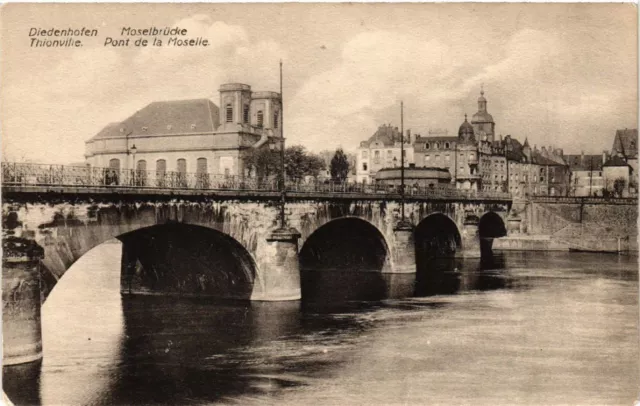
[402, 161]
[133, 153]
[282, 166]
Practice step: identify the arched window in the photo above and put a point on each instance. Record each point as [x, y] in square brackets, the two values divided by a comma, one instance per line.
[201, 165]
[202, 175]
[229, 112]
[182, 165]
[275, 119]
[182, 173]
[141, 173]
[437, 145]
[161, 171]
[446, 145]
[364, 166]
[112, 176]
[260, 118]
[427, 146]
[245, 114]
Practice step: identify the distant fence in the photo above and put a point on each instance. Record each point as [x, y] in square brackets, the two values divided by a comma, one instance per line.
[22, 174]
[584, 200]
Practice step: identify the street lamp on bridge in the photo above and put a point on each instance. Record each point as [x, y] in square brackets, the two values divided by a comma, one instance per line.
[133, 151]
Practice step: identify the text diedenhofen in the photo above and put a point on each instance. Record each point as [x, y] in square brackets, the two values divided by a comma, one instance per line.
[69, 33]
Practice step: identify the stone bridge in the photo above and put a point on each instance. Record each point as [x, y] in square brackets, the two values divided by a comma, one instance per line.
[224, 244]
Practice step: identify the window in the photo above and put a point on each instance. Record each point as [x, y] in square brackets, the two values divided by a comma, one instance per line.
[447, 158]
[376, 157]
[161, 168]
[260, 118]
[428, 157]
[245, 113]
[229, 111]
[365, 154]
[201, 165]
[202, 176]
[471, 156]
[114, 164]
[161, 165]
[437, 145]
[275, 120]
[182, 165]
[389, 153]
[427, 146]
[364, 166]
[446, 145]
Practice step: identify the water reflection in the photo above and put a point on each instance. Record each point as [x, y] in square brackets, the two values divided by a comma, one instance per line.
[332, 291]
[177, 350]
[445, 276]
[22, 383]
[342, 342]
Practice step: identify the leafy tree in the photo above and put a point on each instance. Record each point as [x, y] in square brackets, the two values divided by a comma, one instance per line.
[264, 163]
[301, 163]
[339, 166]
[619, 185]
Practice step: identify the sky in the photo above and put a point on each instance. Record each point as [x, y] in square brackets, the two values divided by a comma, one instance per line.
[557, 74]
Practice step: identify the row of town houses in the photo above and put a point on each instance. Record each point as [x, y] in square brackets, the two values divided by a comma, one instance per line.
[478, 160]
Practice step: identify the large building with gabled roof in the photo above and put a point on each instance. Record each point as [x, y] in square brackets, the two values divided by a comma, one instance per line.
[191, 135]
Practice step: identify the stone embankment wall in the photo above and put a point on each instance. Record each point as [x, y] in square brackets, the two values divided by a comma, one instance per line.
[570, 223]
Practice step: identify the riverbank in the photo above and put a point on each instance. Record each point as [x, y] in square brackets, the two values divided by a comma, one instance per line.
[551, 243]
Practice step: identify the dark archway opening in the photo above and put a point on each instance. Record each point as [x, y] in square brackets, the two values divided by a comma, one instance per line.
[185, 260]
[436, 239]
[490, 226]
[341, 262]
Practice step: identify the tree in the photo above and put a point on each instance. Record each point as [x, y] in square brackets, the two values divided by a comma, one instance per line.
[301, 163]
[619, 185]
[339, 166]
[264, 163]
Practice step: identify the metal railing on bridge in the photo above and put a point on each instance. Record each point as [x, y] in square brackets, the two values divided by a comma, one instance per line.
[24, 174]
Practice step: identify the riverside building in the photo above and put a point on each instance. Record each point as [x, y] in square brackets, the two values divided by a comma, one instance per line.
[192, 135]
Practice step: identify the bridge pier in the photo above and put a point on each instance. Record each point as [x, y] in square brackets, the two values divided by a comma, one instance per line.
[279, 277]
[404, 249]
[470, 238]
[21, 329]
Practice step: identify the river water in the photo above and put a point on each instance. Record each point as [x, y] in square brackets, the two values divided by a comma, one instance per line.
[525, 328]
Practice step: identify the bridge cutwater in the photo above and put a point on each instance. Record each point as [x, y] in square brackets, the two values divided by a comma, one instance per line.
[193, 234]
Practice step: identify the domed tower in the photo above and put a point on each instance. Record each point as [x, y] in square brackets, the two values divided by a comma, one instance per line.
[466, 132]
[482, 121]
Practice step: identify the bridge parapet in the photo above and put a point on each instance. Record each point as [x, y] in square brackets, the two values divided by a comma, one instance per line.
[21, 177]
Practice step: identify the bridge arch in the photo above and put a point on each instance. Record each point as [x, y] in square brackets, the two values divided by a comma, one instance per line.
[490, 226]
[68, 231]
[186, 260]
[437, 235]
[346, 243]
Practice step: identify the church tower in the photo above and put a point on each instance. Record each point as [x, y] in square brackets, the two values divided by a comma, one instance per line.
[482, 121]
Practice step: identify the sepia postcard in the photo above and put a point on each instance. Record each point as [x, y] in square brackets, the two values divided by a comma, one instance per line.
[319, 204]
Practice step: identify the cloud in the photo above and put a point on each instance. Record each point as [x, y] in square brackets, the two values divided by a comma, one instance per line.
[533, 86]
[68, 104]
